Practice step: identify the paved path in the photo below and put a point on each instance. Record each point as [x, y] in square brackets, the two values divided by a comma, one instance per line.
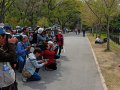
[77, 70]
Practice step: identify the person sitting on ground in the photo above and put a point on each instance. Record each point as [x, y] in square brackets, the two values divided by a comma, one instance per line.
[98, 40]
[32, 64]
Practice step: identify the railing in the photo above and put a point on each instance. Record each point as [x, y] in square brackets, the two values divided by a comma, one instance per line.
[115, 38]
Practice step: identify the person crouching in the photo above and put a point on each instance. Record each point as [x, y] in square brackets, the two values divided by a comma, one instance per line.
[49, 54]
[31, 65]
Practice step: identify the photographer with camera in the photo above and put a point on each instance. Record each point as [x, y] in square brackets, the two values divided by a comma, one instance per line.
[22, 50]
[32, 66]
[8, 55]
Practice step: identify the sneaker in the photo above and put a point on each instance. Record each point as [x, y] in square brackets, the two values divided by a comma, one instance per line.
[48, 69]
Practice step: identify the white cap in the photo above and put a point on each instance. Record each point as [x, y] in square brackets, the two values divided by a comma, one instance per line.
[24, 36]
[59, 30]
[40, 30]
[50, 42]
[18, 27]
[1, 25]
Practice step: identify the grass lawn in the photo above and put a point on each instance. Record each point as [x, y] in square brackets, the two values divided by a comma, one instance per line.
[109, 62]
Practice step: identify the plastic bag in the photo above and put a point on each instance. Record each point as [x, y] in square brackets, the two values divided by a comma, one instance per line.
[63, 50]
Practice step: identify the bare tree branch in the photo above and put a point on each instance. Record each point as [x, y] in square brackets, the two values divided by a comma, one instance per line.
[112, 4]
[106, 3]
[58, 4]
[9, 5]
[92, 10]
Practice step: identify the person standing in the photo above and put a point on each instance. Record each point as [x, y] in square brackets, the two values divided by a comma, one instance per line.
[76, 31]
[60, 41]
[7, 55]
[83, 32]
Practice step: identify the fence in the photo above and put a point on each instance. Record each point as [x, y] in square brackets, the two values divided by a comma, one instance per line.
[115, 38]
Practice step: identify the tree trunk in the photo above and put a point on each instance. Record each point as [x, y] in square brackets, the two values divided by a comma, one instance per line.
[32, 20]
[100, 30]
[108, 34]
[92, 31]
[81, 27]
[2, 12]
[96, 29]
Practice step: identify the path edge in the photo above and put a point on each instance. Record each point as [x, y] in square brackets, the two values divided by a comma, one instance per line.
[98, 67]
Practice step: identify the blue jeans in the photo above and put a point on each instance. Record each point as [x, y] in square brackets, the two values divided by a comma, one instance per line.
[21, 62]
[34, 77]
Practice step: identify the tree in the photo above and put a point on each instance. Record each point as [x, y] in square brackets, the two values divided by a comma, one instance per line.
[27, 14]
[110, 7]
[5, 5]
[66, 13]
[104, 10]
[43, 22]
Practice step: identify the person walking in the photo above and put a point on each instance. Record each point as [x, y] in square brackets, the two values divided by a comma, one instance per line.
[76, 31]
[84, 31]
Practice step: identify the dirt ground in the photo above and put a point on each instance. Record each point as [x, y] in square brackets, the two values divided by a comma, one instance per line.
[109, 63]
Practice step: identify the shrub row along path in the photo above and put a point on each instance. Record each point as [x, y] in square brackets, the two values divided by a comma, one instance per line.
[77, 70]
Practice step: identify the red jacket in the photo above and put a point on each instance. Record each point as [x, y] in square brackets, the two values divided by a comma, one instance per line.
[60, 39]
[47, 54]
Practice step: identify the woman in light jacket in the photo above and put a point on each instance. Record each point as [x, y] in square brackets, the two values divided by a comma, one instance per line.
[31, 64]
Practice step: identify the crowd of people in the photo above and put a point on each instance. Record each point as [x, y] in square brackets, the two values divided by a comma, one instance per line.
[27, 51]
[78, 31]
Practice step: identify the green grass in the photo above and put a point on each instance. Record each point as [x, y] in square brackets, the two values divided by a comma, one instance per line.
[103, 35]
[114, 46]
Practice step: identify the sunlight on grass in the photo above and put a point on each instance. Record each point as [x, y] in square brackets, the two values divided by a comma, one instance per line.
[114, 46]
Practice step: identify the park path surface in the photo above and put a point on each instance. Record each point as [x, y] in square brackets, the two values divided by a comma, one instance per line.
[77, 70]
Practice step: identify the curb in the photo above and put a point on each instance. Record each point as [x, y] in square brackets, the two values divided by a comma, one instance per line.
[98, 67]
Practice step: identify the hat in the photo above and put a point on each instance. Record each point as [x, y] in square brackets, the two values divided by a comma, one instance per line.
[40, 30]
[1, 25]
[18, 28]
[59, 30]
[24, 28]
[2, 31]
[7, 27]
[24, 36]
[50, 42]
